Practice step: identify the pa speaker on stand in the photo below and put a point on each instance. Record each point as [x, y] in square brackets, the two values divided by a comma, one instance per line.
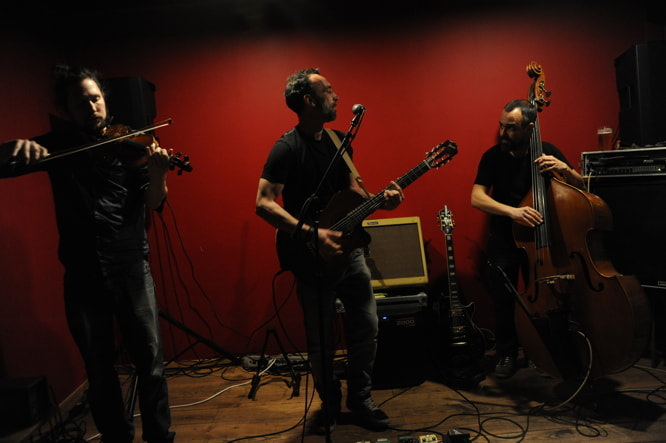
[130, 101]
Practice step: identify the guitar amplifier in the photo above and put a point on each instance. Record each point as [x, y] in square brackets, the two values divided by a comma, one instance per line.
[641, 162]
[23, 402]
[401, 343]
[396, 254]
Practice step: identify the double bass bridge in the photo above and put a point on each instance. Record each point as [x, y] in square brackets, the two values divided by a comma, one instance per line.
[552, 279]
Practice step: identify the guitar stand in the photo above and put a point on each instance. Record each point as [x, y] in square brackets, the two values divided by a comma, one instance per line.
[295, 383]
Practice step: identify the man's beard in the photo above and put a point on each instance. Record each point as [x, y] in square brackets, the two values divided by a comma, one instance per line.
[95, 125]
[510, 145]
[330, 115]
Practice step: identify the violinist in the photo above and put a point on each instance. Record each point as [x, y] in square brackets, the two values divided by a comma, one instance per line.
[503, 179]
[100, 202]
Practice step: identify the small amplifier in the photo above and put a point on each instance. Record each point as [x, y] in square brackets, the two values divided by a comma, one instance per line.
[23, 402]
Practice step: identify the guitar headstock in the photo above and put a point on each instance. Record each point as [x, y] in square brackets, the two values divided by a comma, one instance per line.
[446, 222]
[182, 164]
[441, 154]
[538, 93]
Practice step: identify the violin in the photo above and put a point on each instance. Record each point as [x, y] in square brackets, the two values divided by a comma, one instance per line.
[129, 145]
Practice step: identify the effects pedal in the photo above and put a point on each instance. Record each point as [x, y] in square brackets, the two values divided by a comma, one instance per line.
[457, 436]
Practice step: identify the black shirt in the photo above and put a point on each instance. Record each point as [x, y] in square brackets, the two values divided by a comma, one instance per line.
[99, 203]
[298, 162]
[509, 179]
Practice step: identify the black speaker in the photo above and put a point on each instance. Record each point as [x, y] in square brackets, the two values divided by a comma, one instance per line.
[637, 243]
[23, 402]
[401, 351]
[640, 73]
[130, 101]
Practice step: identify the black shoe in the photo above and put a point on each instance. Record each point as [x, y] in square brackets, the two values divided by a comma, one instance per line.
[319, 422]
[506, 367]
[368, 414]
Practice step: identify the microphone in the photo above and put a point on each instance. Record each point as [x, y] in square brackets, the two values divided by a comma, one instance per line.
[358, 109]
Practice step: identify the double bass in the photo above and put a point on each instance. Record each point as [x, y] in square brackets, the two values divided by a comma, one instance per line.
[577, 316]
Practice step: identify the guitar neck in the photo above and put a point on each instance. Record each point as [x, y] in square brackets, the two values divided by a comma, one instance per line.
[361, 212]
[454, 297]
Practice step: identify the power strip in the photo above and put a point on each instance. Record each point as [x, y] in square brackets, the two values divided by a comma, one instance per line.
[251, 362]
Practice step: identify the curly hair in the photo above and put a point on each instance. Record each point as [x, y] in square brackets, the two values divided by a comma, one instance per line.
[298, 85]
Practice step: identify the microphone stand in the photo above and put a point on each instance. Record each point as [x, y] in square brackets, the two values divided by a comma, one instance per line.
[307, 213]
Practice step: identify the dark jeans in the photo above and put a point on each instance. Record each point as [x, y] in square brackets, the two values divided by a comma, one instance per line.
[361, 326]
[512, 260]
[92, 301]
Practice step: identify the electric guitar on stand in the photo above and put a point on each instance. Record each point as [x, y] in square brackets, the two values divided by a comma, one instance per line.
[464, 344]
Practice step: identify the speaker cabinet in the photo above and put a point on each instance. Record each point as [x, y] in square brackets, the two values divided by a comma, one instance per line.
[131, 101]
[637, 243]
[401, 352]
[23, 402]
[640, 73]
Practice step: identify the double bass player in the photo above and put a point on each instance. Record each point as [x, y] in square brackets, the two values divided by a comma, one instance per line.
[503, 179]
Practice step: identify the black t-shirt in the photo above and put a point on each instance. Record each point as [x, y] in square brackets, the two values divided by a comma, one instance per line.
[299, 162]
[509, 179]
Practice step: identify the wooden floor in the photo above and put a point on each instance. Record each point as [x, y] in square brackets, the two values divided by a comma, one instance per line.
[210, 404]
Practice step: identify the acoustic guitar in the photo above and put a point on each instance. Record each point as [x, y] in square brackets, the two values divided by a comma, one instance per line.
[345, 213]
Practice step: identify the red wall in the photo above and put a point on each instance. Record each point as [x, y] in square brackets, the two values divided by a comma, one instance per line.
[422, 82]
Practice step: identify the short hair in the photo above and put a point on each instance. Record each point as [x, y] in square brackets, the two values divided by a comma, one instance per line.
[64, 77]
[298, 85]
[528, 110]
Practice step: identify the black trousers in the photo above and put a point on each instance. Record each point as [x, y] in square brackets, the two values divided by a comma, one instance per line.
[512, 261]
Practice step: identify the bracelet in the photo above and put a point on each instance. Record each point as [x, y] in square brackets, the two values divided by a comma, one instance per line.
[307, 235]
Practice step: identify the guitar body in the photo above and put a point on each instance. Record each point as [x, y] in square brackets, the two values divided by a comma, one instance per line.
[299, 256]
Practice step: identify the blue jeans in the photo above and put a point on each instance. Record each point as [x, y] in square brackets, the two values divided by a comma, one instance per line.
[92, 301]
[317, 298]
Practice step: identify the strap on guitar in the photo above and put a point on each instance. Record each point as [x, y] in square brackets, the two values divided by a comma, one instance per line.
[336, 140]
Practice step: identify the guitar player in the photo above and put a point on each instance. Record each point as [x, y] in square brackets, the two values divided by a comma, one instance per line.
[293, 170]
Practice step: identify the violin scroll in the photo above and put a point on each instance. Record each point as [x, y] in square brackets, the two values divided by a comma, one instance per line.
[182, 165]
